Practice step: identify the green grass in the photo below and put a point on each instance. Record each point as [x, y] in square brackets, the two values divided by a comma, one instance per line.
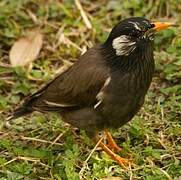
[42, 146]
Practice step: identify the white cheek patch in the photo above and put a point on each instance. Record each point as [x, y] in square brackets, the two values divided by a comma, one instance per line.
[123, 45]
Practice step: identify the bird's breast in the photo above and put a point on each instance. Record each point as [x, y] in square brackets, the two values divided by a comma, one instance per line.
[125, 95]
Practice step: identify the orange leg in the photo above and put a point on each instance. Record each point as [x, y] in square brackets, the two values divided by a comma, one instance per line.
[121, 161]
[111, 143]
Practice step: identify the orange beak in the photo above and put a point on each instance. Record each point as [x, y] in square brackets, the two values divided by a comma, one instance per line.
[158, 26]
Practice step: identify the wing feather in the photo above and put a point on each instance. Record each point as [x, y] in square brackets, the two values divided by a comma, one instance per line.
[75, 88]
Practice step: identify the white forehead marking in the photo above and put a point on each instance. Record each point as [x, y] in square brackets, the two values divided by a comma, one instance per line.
[136, 25]
[146, 22]
[123, 45]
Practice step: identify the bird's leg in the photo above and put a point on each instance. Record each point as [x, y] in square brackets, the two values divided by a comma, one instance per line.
[121, 161]
[111, 143]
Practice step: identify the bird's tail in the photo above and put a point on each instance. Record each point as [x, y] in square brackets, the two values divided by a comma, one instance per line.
[21, 111]
[27, 107]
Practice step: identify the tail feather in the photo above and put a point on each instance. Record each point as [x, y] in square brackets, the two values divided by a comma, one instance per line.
[21, 111]
[24, 109]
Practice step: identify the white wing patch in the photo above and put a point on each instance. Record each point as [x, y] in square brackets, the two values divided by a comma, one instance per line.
[53, 104]
[123, 45]
[100, 95]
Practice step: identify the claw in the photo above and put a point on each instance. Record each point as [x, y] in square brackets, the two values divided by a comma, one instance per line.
[111, 148]
[111, 143]
[121, 161]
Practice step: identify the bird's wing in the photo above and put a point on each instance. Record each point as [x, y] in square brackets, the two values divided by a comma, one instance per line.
[75, 88]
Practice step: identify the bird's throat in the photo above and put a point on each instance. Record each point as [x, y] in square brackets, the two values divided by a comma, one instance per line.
[139, 64]
[140, 57]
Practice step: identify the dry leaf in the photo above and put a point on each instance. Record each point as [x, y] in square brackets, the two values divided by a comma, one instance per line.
[26, 49]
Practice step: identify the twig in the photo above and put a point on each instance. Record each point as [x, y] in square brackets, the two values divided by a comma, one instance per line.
[58, 137]
[162, 144]
[63, 39]
[166, 174]
[131, 173]
[32, 16]
[40, 140]
[85, 162]
[12, 160]
[25, 159]
[83, 14]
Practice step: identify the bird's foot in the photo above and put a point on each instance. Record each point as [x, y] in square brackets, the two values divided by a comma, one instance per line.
[111, 148]
[111, 143]
[121, 161]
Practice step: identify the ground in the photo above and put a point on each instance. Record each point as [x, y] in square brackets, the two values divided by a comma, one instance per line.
[41, 146]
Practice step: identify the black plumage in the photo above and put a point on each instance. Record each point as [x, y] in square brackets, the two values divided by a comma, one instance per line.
[106, 87]
[73, 93]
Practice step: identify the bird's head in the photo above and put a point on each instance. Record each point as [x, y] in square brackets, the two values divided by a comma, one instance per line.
[132, 33]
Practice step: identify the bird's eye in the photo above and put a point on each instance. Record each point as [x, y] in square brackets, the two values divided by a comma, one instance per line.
[152, 25]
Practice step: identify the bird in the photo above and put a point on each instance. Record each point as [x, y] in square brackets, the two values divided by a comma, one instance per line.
[106, 87]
